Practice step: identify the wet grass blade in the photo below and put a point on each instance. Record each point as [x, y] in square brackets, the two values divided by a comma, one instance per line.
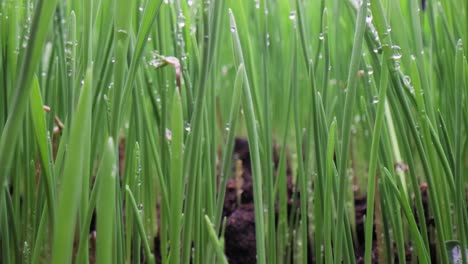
[39, 121]
[251, 123]
[346, 124]
[176, 178]
[371, 185]
[141, 228]
[419, 242]
[227, 153]
[460, 180]
[105, 206]
[218, 243]
[71, 181]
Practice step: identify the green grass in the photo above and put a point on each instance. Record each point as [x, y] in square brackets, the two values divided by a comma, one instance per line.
[145, 98]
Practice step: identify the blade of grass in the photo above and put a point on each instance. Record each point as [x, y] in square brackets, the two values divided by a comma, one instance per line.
[218, 244]
[141, 228]
[227, 153]
[328, 203]
[371, 185]
[253, 147]
[266, 140]
[105, 206]
[301, 173]
[419, 242]
[176, 179]
[69, 197]
[460, 83]
[346, 123]
[39, 121]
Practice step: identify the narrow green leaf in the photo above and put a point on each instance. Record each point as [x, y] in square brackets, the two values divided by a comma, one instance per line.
[38, 117]
[105, 206]
[69, 197]
[176, 178]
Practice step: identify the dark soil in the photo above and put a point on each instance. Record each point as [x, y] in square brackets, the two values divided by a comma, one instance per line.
[240, 235]
[240, 244]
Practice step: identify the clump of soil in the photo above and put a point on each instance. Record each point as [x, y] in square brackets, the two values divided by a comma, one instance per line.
[240, 235]
[238, 207]
[240, 244]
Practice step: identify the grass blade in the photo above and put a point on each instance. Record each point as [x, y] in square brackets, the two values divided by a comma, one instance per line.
[105, 206]
[346, 122]
[69, 197]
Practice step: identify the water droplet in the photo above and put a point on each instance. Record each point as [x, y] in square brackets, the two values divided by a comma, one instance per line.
[321, 37]
[228, 127]
[181, 20]
[257, 4]
[187, 127]
[292, 15]
[357, 118]
[369, 17]
[396, 52]
[122, 32]
[407, 80]
[375, 100]
[140, 8]
[233, 29]
[168, 134]
[156, 63]
[224, 70]
[193, 30]
[190, 2]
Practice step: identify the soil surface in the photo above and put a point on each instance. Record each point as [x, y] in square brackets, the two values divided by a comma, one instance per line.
[239, 237]
[240, 244]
